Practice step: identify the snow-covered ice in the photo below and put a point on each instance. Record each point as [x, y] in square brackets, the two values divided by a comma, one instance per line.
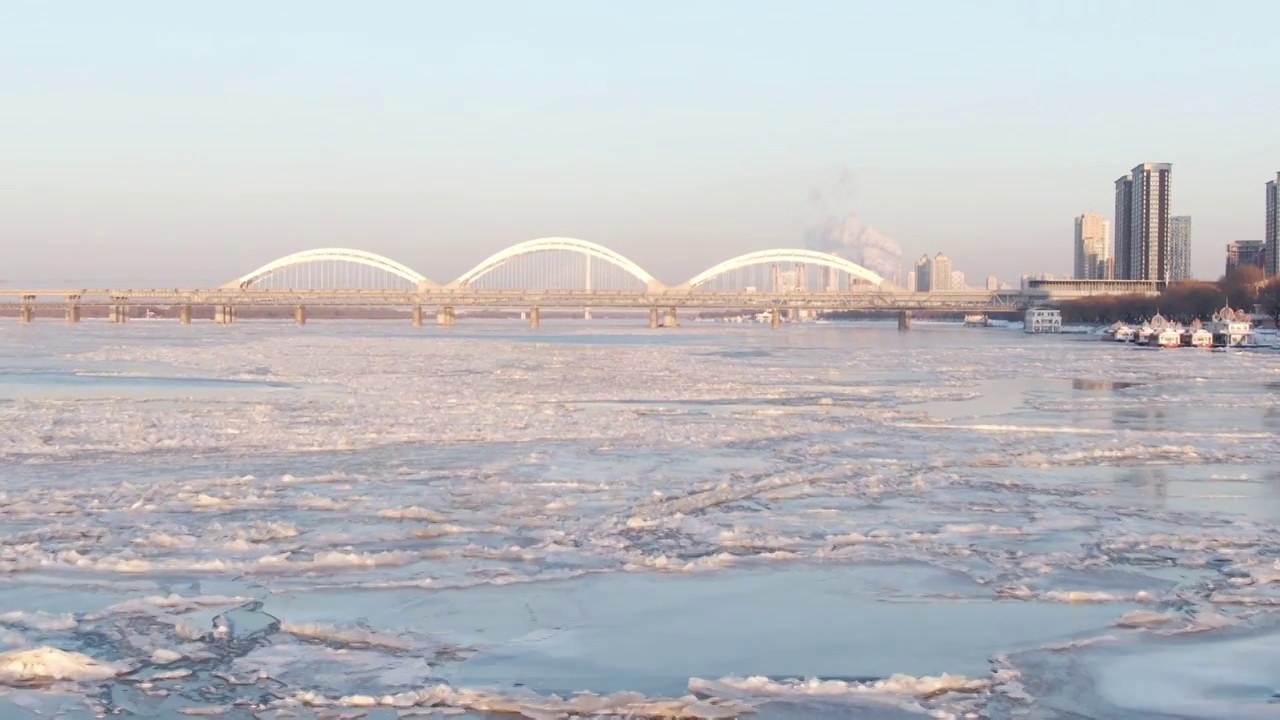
[594, 519]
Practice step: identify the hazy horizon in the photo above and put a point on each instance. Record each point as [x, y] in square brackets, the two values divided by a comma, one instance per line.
[184, 145]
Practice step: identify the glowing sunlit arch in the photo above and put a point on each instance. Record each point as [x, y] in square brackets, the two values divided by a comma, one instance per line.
[529, 247]
[786, 256]
[360, 257]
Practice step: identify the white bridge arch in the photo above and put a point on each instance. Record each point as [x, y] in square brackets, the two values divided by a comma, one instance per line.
[332, 255]
[785, 255]
[593, 252]
[553, 244]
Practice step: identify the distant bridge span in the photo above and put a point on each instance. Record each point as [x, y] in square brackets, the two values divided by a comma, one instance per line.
[314, 259]
[552, 272]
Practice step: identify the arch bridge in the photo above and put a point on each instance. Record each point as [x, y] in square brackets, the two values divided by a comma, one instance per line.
[551, 272]
[559, 263]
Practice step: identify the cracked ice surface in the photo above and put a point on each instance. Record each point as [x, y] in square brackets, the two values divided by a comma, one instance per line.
[592, 520]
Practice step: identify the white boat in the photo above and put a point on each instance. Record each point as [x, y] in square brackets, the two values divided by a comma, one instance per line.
[1231, 328]
[1201, 338]
[976, 320]
[1124, 333]
[1042, 320]
[1143, 335]
[1168, 338]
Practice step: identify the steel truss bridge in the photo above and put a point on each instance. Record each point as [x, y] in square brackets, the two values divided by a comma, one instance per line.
[544, 273]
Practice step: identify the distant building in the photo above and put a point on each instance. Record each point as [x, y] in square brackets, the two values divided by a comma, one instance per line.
[1245, 253]
[1124, 205]
[957, 280]
[940, 277]
[911, 280]
[1273, 227]
[993, 283]
[1092, 247]
[933, 273]
[1179, 248]
[924, 272]
[1142, 232]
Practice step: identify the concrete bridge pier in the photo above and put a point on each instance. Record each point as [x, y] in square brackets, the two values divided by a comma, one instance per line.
[417, 316]
[224, 314]
[535, 317]
[775, 319]
[118, 313]
[300, 315]
[653, 318]
[904, 319]
[670, 321]
[73, 313]
[446, 317]
[184, 315]
[28, 312]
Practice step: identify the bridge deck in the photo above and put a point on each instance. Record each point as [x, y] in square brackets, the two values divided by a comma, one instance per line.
[869, 299]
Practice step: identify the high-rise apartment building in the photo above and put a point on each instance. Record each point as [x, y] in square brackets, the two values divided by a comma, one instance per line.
[1093, 247]
[933, 273]
[1179, 248]
[993, 282]
[940, 277]
[911, 280]
[1273, 227]
[924, 274]
[958, 280]
[1142, 222]
[1245, 253]
[1124, 204]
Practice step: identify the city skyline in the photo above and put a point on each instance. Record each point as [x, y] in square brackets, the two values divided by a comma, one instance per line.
[181, 145]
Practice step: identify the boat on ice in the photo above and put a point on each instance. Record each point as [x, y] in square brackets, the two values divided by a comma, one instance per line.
[1231, 328]
[1118, 332]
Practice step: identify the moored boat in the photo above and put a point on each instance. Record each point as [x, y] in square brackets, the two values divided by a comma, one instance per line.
[1231, 328]
[1168, 338]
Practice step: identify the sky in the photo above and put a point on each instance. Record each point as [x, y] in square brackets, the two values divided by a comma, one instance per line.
[178, 144]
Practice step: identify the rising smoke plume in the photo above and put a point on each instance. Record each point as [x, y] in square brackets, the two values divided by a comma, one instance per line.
[843, 233]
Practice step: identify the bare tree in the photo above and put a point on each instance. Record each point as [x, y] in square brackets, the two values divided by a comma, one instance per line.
[1269, 298]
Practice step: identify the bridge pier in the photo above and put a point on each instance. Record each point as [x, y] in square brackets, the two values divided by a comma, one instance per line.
[670, 321]
[653, 318]
[224, 314]
[446, 317]
[904, 319]
[118, 313]
[73, 313]
[184, 315]
[417, 316]
[535, 317]
[28, 312]
[300, 315]
[775, 319]
[586, 313]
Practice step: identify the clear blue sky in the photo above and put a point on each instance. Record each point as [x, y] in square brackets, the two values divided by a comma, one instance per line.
[185, 142]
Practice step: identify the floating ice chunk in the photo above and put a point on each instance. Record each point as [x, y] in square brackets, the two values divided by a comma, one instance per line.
[46, 664]
[450, 701]
[346, 636]
[922, 687]
[39, 620]
[164, 656]
[1145, 619]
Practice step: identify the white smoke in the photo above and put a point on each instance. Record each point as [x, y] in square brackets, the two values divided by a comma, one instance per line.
[846, 235]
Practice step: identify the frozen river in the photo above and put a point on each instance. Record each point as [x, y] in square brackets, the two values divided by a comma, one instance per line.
[830, 521]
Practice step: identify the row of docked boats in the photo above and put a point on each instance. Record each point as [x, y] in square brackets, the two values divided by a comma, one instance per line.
[1229, 328]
